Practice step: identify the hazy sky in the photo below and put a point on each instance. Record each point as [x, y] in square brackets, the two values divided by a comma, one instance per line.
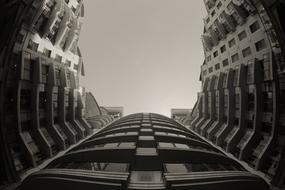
[144, 55]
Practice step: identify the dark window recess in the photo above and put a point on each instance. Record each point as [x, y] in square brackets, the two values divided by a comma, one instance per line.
[33, 46]
[45, 70]
[225, 62]
[210, 69]
[223, 49]
[232, 42]
[58, 58]
[254, 27]
[42, 100]
[246, 52]
[25, 99]
[47, 52]
[217, 66]
[219, 5]
[76, 66]
[213, 13]
[235, 58]
[209, 58]
[242, 35]
[20, 38]
[215, 53]
[68, 63]
[260, 45]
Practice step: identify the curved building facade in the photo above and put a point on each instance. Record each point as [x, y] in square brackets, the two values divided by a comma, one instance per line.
[241, 106]
[144, 151]
[42, 105]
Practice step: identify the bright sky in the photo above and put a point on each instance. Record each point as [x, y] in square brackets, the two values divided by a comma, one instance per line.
[144, 55]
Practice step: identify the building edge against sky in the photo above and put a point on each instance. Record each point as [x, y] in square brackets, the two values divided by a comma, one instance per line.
[241, 106]
[42, 102]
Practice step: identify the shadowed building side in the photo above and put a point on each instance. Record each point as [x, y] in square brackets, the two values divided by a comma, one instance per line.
[42, 109]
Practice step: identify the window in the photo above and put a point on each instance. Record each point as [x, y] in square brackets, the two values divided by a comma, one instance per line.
[207, 20]
[260, 45]
[254, 27]
[176, 168]
[242, 35]
[223, 49]
[213, 13]
[58, 58]
[217, 66]
[215, 53]
[235, 58]
[219, 5]
[246, 52]
[68, 63]
[210, 69]
[75, 67]
[33, 46]
[20, 38]
[225, 62]
[205, 72]
[232, 42]
[209, 58]
[47, 52]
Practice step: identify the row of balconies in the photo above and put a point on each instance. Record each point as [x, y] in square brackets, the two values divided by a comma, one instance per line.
[58, 23]
[237, 126]
[236, 14]
[42, 130]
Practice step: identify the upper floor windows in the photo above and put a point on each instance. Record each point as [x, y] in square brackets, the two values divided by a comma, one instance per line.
[213, 13]
[260, 45]
[232, 42]
[215, 54]
[210, 69]
[235, 58]
[242, 35]
[246, 52]
[223, 49]
[254, 27]
[225, 62]
[217, 66]
[219, 5]
[209, 58]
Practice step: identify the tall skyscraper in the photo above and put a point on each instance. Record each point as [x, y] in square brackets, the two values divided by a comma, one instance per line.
[41, 100]
[241, 105]
[144, 151]
[54, 135]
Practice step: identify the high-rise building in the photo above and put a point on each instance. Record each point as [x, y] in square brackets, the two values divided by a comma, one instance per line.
[96, 116]
[181, 115]
[144, 151]
[115, 112]
[241, 105]
[42, 109]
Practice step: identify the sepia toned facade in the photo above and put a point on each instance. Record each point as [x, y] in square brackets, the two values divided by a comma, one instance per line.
[95, 115]
[42, 104]
[144, 151]
[181, 115]
[240, 107]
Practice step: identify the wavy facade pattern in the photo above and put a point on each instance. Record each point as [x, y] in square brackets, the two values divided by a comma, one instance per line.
[42, 103]
[241, 106]
[144, 151]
